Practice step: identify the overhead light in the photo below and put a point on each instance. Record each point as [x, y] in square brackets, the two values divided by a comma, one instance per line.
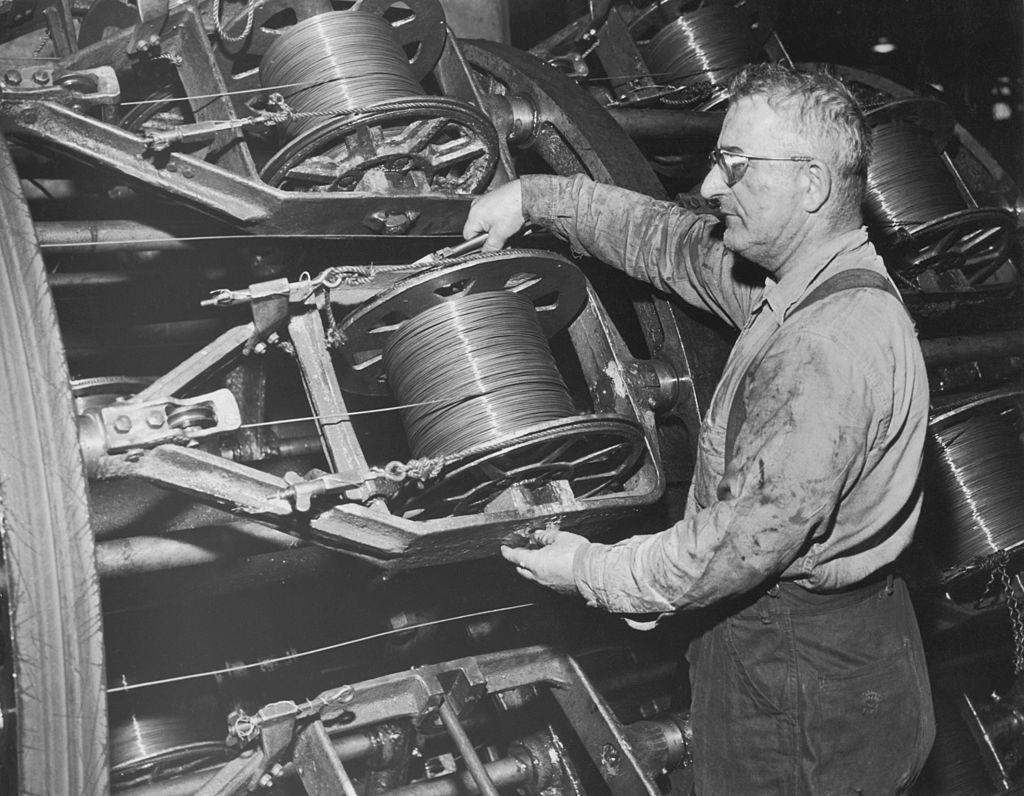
[883, 46]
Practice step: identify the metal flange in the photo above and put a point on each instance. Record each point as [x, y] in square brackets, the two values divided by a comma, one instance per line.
[556, 287]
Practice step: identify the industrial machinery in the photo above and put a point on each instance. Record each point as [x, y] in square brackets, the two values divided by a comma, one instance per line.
[263, 401]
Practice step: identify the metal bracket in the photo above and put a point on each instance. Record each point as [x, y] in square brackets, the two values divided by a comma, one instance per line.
[150, 423]
[46, 81]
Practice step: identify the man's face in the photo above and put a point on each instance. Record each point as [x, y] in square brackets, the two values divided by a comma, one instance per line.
[763, 208]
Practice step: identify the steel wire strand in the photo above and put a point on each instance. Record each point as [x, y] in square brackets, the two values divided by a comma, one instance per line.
[481, 369]
[978, 461]
[708, 45]
[340, 61]
[908, 183]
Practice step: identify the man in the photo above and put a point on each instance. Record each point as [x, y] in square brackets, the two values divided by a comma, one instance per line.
[812, 678]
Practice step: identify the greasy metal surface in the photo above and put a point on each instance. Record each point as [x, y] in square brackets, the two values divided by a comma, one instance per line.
[225, 196]
[554, 284]
[306, 331]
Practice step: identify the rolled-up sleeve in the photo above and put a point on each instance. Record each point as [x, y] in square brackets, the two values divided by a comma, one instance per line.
[659, 242]
[804, 441]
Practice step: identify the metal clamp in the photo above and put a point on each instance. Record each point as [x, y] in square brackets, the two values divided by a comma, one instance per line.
[150, 423]
[45, 81]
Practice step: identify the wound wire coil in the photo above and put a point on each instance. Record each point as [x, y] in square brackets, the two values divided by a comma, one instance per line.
[338, 61]
[707, 45]
[484, 362]
[978, 465]
[908, 182]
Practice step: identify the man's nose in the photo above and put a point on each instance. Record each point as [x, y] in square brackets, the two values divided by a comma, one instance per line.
[714, 183]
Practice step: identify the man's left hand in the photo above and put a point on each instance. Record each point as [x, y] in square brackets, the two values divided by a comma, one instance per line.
[551, 564]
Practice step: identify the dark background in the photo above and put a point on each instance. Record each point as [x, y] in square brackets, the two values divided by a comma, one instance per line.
[965, 52]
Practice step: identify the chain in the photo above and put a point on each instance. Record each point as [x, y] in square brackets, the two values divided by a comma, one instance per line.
[1000, 571]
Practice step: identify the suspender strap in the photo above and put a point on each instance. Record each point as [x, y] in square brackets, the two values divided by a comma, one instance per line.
[845, 280]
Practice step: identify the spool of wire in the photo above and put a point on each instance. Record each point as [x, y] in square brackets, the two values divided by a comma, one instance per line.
[908, 182]
[334, 62]
[482, 365]
[978, 464]
[707, 45]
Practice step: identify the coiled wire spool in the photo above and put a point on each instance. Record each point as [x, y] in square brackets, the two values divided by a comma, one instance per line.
[977, 462]
[707, 45]
[341, 60]
[486, 362]
[908, 182]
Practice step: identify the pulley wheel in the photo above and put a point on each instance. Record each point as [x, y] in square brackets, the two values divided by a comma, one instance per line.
[430, 142]
[595, 454]
[556, 287]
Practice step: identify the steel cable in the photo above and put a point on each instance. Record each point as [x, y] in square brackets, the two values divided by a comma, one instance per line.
[341, 60]
[707, 45]
[978, 462]
[908, 182]
[481, 369]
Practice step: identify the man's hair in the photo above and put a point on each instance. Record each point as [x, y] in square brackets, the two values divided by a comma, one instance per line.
[824, 113]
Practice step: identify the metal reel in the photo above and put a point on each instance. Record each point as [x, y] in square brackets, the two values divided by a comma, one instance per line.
[556, 287]
[423, 144]
[419, 28]
[973, 243]
[595, 454]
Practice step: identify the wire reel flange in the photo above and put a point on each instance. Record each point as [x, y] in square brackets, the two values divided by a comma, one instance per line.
[451, 143]
[420, 31]
[555, 286]
[594, 454]
[974, 241]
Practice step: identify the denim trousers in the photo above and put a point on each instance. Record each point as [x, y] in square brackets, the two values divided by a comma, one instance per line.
[802, 693]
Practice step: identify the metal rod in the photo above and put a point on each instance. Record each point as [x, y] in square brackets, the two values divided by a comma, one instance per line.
[119, 558]
[473, 762]
[671, 124]
[90, 237]
[505, 773]
[951, 350]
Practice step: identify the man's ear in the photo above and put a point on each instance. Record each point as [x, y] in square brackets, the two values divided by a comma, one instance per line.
[818, 179]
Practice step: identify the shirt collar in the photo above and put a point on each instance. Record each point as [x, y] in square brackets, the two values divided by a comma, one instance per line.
[780, 296]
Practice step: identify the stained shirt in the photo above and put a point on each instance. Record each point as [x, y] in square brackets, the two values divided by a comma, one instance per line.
[822, 485]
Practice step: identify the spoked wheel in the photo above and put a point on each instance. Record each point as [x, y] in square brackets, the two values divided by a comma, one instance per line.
[54, 699]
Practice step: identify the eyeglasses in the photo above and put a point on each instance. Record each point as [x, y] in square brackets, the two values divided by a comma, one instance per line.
[734, 164]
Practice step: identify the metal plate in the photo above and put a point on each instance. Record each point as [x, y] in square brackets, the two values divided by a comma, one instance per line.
[556, 287]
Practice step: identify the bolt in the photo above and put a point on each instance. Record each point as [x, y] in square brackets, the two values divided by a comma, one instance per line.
[155, 419]
[188, 173]
[12, 77]
[266, 781]
[277, 771]
[122, 424]
[609, 756]
[259, 348]
[154, 40]
[142, 44]
[41, 76]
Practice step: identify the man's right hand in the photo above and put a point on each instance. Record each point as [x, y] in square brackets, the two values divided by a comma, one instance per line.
[498, 213]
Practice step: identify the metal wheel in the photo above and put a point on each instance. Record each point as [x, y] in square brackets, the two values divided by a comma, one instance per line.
[594, 454]
[431, 143]
[52, 694]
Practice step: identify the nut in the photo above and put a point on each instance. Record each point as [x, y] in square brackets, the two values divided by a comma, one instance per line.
[12, 77]
[155, 419]
[122, 424]
[41, 76]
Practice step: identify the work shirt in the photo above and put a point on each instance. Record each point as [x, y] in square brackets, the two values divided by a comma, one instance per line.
[822, 484]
